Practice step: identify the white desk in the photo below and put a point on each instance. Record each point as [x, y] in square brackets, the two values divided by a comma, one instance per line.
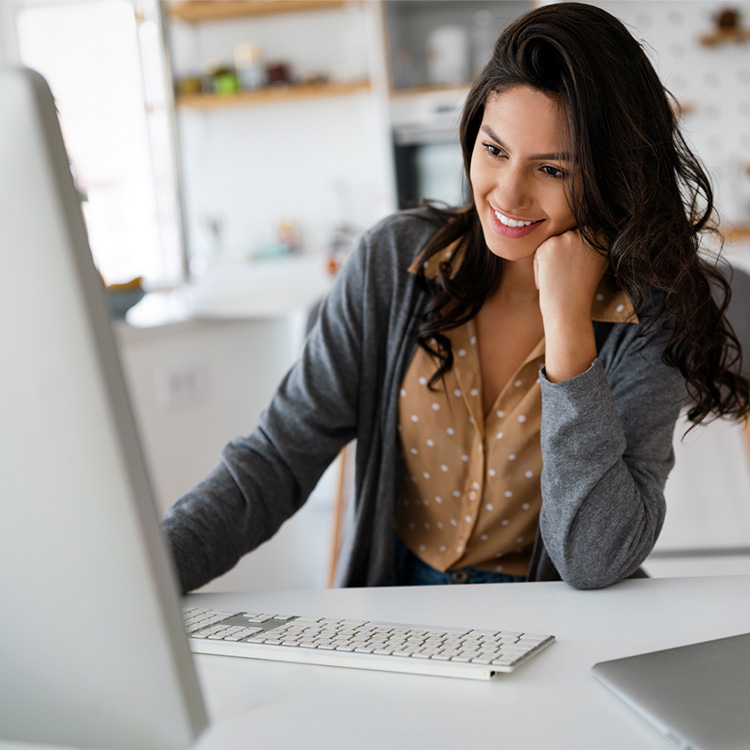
[552, 702]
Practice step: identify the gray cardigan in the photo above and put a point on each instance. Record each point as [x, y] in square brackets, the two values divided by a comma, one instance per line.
[606, 438]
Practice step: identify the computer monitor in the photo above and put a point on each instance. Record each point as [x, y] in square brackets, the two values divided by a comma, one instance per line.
[92, 648]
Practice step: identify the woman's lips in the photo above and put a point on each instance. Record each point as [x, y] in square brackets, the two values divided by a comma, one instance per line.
[512, 232]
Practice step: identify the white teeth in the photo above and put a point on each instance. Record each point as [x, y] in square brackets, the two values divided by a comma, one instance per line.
[511, 222]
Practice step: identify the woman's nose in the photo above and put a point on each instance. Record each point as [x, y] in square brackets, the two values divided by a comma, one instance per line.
[512, 192]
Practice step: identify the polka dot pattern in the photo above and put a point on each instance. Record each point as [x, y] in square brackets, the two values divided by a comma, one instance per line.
[463, 461]
[472, 494]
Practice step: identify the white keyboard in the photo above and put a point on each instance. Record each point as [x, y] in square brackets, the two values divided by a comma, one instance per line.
[361, 644]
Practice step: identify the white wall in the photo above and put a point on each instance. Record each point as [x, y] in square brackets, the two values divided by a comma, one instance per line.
[238, 365]
[315, 163]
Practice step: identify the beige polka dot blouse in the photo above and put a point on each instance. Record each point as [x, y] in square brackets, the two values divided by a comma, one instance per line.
[471, 494]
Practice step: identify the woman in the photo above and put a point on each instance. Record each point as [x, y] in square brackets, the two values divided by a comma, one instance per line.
[511, 370]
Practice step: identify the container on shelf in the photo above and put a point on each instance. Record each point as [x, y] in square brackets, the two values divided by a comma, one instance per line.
[251, 69]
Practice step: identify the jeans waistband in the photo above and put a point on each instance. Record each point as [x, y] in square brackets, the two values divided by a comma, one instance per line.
[415, 572]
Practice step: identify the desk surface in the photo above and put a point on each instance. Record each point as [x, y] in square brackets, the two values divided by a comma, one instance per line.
[551, 702]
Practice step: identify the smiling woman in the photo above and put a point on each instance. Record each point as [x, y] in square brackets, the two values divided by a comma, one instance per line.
[512, 369]
[519, 182]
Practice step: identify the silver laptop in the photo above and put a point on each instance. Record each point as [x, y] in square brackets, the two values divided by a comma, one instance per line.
[698, 696]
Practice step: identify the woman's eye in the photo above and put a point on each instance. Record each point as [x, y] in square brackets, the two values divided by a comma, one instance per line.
[554, 172]
[493, 150]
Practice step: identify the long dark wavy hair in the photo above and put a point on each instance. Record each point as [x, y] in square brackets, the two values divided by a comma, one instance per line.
[645, 201]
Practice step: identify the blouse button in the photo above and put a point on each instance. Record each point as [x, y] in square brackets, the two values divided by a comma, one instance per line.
[472, 495]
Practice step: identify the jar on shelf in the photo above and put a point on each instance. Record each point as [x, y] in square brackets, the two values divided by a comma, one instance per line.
[248, 62]
[220, 78]
[448, 56]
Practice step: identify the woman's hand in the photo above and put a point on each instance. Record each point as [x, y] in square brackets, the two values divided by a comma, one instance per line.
[567, 272]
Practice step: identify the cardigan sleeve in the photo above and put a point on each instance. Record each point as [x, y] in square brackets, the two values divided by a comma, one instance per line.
[607, 450]
[264, 478]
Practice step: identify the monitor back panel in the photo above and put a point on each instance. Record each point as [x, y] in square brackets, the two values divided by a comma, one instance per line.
[92, 652]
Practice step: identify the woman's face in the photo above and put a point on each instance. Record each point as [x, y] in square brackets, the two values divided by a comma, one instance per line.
[520, 174]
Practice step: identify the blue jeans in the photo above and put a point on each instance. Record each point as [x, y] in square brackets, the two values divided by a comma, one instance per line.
[414, 572]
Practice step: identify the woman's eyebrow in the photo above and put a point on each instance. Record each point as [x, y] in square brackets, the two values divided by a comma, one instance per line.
[534, 157]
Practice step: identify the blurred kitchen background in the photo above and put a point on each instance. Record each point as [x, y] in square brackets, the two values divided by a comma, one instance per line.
[229, 154]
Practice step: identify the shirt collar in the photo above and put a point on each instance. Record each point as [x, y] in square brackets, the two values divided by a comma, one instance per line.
[455, 250]
[611, 305]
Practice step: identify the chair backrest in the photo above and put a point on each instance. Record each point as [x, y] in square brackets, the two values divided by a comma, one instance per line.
[738, 313]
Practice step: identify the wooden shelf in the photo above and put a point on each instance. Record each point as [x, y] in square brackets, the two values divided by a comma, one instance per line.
[271, 94]
[737, 234]
[197, 11]
[420, 90]
[725, 36]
